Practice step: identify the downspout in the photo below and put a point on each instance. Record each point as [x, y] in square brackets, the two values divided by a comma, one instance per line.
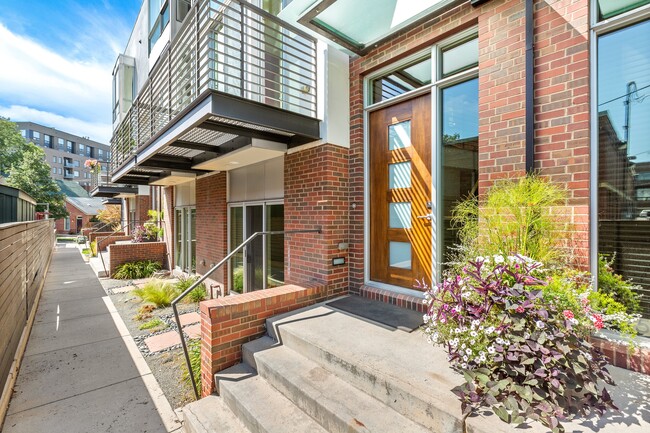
[530, 89]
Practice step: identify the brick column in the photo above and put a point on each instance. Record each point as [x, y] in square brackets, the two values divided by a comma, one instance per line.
[212, 225]
[316, 195]
[142, 207]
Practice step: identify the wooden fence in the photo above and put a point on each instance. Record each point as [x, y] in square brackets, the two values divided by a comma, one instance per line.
[25, 252]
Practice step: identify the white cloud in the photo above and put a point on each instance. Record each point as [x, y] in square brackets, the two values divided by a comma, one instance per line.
[97, 131]
[35, 76]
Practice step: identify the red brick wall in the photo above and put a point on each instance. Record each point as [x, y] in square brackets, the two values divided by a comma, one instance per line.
[125, 253]
[316, 190]
[212, 225]
[229, 322]
[142, 207]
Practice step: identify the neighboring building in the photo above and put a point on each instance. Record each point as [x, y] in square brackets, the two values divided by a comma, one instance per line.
[66, 153]
[81, 210]
[370, 123]
[15, 205]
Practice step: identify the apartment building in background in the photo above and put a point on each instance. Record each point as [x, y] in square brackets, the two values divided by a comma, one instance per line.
[66, 153]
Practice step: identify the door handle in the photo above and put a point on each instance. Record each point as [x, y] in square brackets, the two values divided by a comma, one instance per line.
[427, 217]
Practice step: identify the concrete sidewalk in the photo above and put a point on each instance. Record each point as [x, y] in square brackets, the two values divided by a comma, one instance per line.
[82, 371]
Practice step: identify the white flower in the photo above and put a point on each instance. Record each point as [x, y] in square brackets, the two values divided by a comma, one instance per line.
[491, 350]
[472, 342]
[500, 340]
[475, 323]
[425, 318]
[463, 346]
[463, 365]
[588, 356]
[457, 308]
[482, 358]
[540, 324]
[498, 259]
[473, 334]
[465, 358]
[480, 259]
[489, 329]
[468, 351]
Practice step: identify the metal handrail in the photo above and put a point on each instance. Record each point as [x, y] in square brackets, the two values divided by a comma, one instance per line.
[99, 227]
[206, 275]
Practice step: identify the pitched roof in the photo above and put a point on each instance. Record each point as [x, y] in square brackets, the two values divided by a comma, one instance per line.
[87, 205]
[71, 188]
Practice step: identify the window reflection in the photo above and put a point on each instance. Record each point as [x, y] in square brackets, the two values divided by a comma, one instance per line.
[403, 80]
[459, 150]
[624, 152]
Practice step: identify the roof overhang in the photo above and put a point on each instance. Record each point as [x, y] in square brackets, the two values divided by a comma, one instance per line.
[109, 191]
[202, 136]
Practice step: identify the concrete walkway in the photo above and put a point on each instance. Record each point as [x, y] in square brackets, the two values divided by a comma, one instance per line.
[82, 371]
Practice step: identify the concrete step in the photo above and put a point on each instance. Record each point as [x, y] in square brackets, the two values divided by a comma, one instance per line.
[210, 415]
[260, 407]
[414, 381]
[337, 406]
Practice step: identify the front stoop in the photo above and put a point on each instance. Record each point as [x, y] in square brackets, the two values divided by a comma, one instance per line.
[322, 370]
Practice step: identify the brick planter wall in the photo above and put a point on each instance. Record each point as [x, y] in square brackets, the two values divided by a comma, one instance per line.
[229, 322]
[104, 242]
[92, 236]
[125, 253]
[620, 356]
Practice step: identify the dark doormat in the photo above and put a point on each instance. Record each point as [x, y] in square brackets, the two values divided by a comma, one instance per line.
[377, 311]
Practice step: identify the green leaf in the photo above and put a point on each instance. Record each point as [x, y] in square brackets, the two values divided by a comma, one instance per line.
[502, 413]
[482, 378]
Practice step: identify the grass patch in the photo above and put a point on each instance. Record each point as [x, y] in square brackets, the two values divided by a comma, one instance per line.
[86, 251]
[194, 349]
[145, 312]
[157, 292]
[153, 324]
[196, 295]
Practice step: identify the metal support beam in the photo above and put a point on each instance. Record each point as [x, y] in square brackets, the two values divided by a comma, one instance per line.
[195, 146]
[238, 130]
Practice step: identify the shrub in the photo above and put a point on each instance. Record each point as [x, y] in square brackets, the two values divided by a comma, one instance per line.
[521, 346]
[196, 295]
[135, 270]
[238, 279]
[157, 292]
[93, 248]
[155, 323]
[516, 216]
[620, 290]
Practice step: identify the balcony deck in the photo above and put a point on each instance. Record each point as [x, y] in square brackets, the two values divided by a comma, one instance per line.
[233, 74]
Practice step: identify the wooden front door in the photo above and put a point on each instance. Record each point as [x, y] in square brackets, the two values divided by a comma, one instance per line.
[400, 193]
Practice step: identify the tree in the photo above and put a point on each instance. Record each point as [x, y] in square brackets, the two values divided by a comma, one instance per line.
[111, 215]
[12, 145]
[27, 169]
[32, 175]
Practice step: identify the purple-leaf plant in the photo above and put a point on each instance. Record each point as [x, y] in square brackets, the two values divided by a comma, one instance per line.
[520, 353]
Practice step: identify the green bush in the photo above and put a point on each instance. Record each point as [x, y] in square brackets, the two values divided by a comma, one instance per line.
[135, 270]
[238, 279]
[194, 349]
[515, 216]
[614, 285]
[93, 248]
[196, 295]
[157, 292]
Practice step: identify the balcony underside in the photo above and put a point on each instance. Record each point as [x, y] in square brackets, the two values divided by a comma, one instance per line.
[210, 131]
[110, 191]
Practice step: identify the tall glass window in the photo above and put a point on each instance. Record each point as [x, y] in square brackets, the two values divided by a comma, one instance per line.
[459, 141]
[624, 151]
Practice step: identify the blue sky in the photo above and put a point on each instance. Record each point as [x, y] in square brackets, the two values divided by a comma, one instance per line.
[56, 60]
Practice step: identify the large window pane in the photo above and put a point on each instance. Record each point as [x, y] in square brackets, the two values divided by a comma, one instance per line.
[402, 80]
[236, 238]
[459, 150]
[610, 8]
[275, 246]
[460, 57]
[624, 153]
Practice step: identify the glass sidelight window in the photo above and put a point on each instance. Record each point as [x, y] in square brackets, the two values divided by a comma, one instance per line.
[185, 242]
[260, 265]
[623, 177]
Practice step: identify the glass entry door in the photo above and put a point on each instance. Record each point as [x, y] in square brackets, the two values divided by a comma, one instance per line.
[185, 248]
[261, 263]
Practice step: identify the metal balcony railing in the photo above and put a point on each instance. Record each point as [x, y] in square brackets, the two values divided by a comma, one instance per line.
[229, 46]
